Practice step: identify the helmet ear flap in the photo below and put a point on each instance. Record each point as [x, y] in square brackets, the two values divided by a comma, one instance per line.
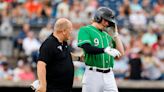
[97, 17]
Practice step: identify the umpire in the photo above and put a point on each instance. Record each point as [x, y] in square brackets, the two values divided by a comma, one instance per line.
[100, 50]
[55, 68]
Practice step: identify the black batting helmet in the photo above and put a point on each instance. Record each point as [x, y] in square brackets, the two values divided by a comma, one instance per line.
[104, 13]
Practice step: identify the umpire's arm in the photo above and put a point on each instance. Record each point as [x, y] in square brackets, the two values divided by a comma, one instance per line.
[41, 72]
[119, 45]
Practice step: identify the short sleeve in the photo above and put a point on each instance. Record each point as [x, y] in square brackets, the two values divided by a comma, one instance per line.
[43, 53]
[83, 37]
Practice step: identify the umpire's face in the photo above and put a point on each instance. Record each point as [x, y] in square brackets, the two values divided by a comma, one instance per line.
[68, 32]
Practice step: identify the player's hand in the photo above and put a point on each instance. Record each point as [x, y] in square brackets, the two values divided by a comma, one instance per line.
[113, 52]
[41, 88]
[115, 32]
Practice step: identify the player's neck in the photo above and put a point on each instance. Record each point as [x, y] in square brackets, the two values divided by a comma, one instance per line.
[97, 26]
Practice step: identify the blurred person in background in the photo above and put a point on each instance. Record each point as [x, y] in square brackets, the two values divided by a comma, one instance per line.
[122, 18]
[126, 6]
[34, 43]
[3, 5]
[43, 15]
[5, 16]
[6, 73]
[138, 20]
[125, 36]
[137, 17]
[159, 50]
[135, 6]
[5, 22]
[46, 11]
[147, 10]
[45, 32]
[147, 7]
[77, 14]
[6, 29]
[6, 33]
[91, 6]
[159, 5]
[31, 46]
[19, 69]
[121, 67]
[135, 43]
[18, 40]
[2, 57]
[155, 27]
[159, 18]
[135, 64]
[157, 47]
[151, 64]
[150, 37]
[14, 3]
[63, 9]
[54, 7]
[27, 74]
[33, 8]
[19, 15]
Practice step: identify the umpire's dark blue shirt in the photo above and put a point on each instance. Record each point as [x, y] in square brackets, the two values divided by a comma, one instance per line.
[59, 65]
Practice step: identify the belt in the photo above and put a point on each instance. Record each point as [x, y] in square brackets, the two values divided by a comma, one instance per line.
[99, 70]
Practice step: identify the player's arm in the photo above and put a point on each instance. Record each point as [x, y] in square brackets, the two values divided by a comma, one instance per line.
[41, 72]
[92, 49]
[119, 45]
[85, 43]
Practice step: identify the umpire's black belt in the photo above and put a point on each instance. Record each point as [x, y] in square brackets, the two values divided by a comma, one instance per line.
[99, 70]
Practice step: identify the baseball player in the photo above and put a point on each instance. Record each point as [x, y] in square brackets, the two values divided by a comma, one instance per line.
[100, 50]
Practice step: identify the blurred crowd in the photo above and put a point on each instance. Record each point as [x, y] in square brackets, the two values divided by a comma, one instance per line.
[25, 24]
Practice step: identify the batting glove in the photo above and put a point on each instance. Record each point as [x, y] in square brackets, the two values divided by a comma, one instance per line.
[113, 52]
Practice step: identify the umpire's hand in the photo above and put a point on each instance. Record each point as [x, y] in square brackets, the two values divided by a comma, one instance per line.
[113, 52]
[42, 88]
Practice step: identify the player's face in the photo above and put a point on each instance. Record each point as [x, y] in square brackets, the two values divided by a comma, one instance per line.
[104, 24]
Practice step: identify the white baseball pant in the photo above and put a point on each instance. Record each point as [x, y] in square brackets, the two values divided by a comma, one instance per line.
[94, 81]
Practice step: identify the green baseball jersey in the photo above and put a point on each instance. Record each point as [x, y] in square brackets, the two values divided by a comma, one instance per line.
[101, 39]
